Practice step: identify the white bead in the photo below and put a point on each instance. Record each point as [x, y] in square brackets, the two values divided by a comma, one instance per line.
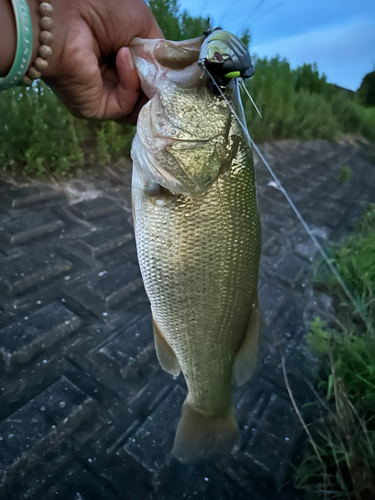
[46, 38]
[45, 9]
[45, 52]
[46, 24]
[40, 64]
[34, 73]
[26, 81]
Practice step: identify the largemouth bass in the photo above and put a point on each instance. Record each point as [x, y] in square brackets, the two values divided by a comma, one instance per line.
[198, 237]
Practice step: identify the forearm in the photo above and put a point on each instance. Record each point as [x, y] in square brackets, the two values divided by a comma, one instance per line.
[8, 33]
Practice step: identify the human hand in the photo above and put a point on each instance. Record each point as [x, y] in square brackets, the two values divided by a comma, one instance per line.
[91, 70]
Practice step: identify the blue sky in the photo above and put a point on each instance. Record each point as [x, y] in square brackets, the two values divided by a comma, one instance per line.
[337, 34]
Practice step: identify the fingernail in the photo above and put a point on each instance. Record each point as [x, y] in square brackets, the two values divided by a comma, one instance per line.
[129, 58]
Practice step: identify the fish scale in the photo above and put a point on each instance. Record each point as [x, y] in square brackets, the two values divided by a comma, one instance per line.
[202, 313]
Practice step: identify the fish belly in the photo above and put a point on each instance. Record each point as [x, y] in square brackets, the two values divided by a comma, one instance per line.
[199, 262]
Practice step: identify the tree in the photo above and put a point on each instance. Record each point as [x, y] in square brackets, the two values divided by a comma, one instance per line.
[174, 23]
[177, 24]
[246, 38]
[307, 78]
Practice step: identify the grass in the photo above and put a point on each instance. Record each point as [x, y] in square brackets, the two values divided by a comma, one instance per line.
[340, 459]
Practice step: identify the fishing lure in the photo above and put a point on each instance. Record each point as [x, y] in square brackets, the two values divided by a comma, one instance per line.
[225, 56]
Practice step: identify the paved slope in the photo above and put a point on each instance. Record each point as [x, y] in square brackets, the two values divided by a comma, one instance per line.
[85, 410]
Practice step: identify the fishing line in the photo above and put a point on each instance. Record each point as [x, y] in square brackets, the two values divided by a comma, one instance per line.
[242, 83]
[358, 306]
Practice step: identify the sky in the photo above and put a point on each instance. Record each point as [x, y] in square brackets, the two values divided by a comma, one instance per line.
[339, 35]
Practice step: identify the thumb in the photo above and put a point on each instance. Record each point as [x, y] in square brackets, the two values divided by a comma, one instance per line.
[122, 99]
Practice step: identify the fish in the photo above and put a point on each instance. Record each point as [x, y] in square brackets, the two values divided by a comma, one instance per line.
[198, 236]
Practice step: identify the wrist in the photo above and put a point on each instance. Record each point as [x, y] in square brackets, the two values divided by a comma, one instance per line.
[41, 14]
[8, 36]
[63, 12]
[8, 32]
[35, 16]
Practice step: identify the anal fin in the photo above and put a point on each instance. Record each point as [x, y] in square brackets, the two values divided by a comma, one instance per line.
[245, 359]
[164, 352]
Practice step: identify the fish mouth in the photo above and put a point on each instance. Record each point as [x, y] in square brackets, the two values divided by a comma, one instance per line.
[159, 59]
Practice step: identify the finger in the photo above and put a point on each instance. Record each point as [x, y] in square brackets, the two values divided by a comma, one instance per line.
[131, 118]
[139, 22]
[149, 27]
[123, 98]
[154, 31]
[110, 78]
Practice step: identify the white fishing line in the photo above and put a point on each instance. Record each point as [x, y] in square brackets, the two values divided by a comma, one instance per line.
[251, 99]
[358, 306]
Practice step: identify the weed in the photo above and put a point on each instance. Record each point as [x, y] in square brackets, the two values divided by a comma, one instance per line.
[340, 460]
[345, 174]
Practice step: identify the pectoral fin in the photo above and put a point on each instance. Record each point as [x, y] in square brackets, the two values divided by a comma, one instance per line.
[245, 359]
[164, 352]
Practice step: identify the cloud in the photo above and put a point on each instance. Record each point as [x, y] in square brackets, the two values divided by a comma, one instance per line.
[337, 35]
[269, 20]
[344, 53]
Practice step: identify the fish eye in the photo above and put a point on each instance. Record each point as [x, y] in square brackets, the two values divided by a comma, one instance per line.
[218, 56]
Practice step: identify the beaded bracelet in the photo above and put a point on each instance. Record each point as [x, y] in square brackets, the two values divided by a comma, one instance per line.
[24, 45]
[46, 39]
[19, 74]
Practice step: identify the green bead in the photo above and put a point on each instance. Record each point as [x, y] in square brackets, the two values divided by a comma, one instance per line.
[233, 74]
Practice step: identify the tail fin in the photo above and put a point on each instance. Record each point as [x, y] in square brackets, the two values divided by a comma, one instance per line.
[198, 436]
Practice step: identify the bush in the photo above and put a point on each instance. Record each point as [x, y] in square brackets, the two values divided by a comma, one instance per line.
[366, 90]
[350, 114]
[313, 118]
[302, 104]
[308, 78]
[286, 113]
[113, 141]
[37, 132]
[273, 92]
[39, 135]
[369, 124]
